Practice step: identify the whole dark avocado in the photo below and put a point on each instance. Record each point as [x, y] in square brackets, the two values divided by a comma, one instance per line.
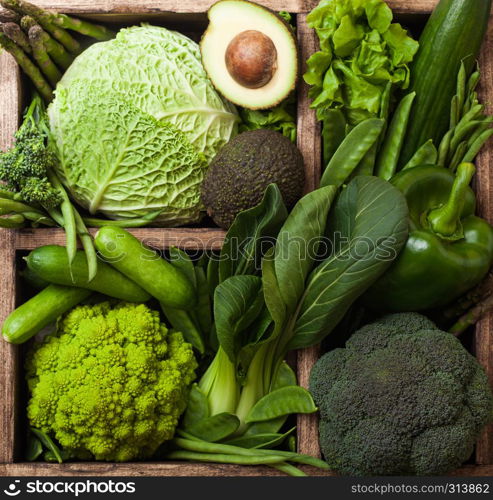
[242, 170]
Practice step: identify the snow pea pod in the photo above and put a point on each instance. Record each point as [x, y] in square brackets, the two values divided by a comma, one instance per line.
[427, 154]
[367, 164]
[394, 140]
[284, 401]
[333, 133]
[351, 151]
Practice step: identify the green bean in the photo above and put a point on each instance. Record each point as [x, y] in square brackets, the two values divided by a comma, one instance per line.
[351, 152]
[457, 159]
[427, 154]
[461, 89]
[473, 82]
[475, 148]
[333, 133]
[473, 113]
[454, 112]
[88, 245]
[206, 447]
[485, 125]
[12, 221]
[384, 111]
[392, 145]
[68, 214]
[463, 132]
[224, 459]
[444, 148]
[288, 469]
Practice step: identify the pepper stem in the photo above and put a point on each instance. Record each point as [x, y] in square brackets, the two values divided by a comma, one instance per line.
[445, 221]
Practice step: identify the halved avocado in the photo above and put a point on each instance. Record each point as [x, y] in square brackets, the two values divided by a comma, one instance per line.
[250, 54]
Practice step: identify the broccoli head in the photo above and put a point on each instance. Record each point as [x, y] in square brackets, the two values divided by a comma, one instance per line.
[403, 397]
[111, 383]
[24, 168]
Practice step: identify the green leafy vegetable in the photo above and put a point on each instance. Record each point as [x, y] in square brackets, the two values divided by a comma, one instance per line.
[369, 227]
[361, 52]
[157, 121]
[282, 119]
[251, 235]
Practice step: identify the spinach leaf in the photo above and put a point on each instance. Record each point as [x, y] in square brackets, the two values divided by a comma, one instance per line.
[298, 243]
[251, 234]
[369, 226]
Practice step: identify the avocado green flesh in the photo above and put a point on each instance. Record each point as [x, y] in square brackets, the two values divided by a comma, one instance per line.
[229, 18]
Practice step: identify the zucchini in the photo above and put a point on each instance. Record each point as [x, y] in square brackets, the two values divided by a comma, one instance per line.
[146, 267]
[453, 34]
[51, 264]
[37, 313]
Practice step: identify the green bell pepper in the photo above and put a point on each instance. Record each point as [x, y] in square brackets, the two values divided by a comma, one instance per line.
[449, 249]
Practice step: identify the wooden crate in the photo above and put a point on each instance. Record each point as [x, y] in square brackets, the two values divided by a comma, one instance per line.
[183, 13]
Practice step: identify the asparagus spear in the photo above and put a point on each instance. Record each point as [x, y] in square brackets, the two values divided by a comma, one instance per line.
[9, 16]
[42, 57]
[60, 20]
[28, 67]
[14, 32]
[472, 316]
[44, 18]
[55, 49]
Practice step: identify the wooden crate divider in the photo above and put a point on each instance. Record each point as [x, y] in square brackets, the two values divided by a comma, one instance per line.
[309, 142]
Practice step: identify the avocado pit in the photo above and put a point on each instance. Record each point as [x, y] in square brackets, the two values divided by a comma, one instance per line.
[251, 59]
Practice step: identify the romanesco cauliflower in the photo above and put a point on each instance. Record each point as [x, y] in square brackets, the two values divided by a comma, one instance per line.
[111, 383]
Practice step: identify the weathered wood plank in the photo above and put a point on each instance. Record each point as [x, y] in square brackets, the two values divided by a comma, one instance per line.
[188, 239]
[310, 145]
[9, 364]
[142, 469]
[159, 6]
[10, 99]
[309, 138]
[175, 469]
[484, 189]
[154, 6]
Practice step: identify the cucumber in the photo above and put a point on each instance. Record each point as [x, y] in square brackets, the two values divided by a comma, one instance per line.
[453, 33]
[144, 266]
[51, 264]
[37, 313]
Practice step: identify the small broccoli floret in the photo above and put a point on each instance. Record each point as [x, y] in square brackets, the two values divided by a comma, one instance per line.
[24, 168]
[402, 398]
[111, 383]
